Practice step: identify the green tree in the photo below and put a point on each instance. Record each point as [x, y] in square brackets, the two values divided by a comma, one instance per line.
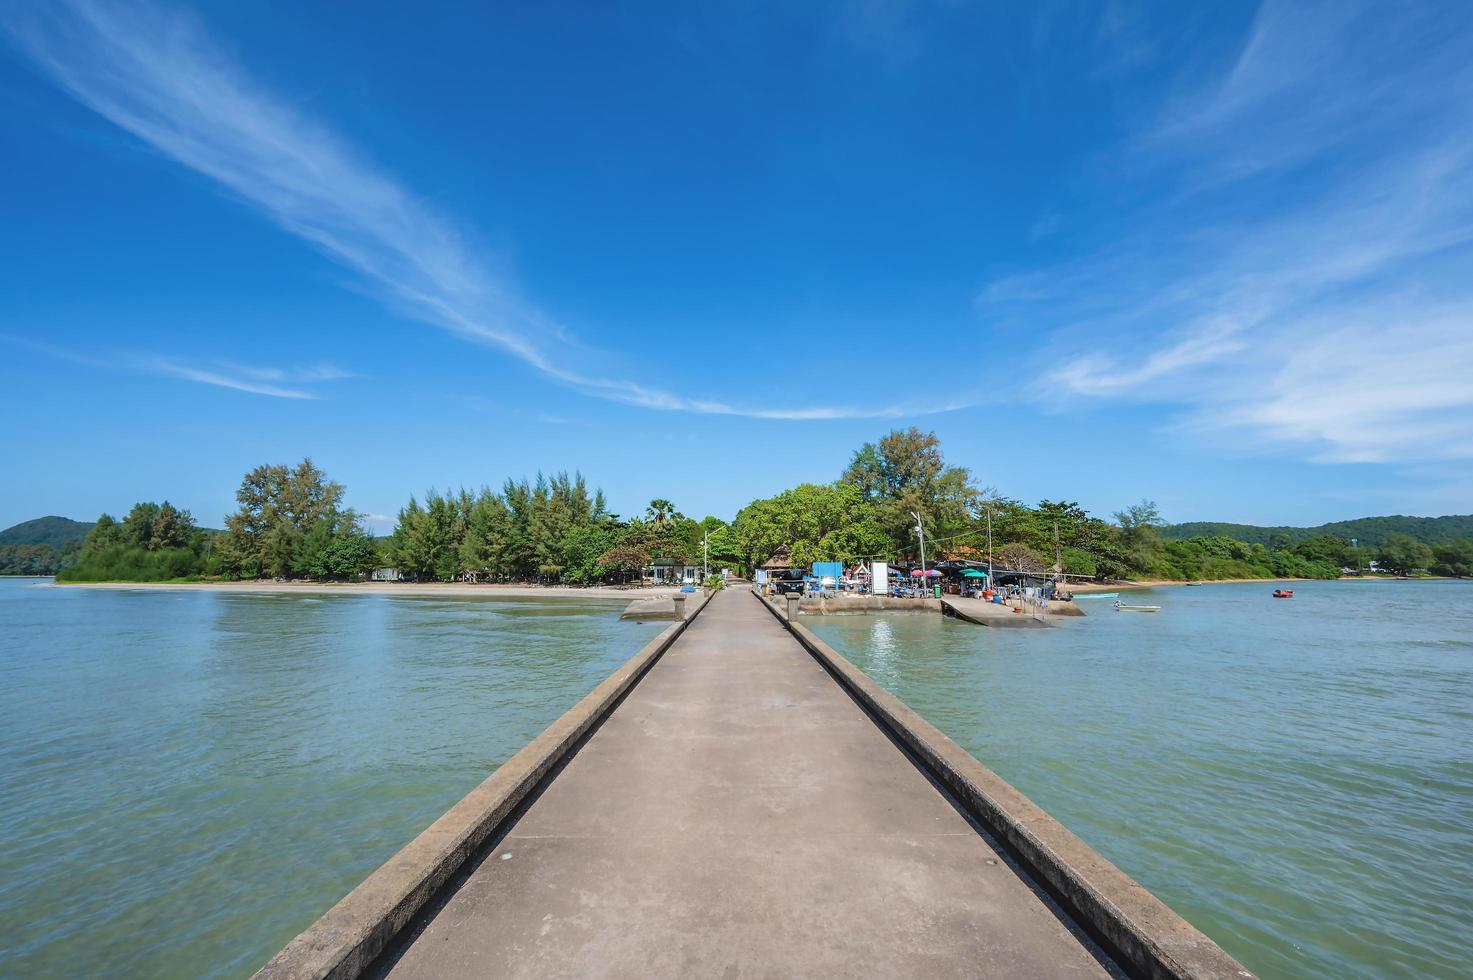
[529, 530]
[1018, 557]
[722, 548]
[583, 551]
[442, 532]
[905, 473]
[1327, 548]
[488, 527]
[349, 557]
[660, 510]
[1404, 554]
[1454, 558]
[155, 542]
[1140, 534]
[281, 509]
[811, 522]
[521, 550]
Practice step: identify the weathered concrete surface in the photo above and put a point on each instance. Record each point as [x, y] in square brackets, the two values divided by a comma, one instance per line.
[353, 932]
[839, 605]
[990, 613]
[740, 815]
[660, 608]
[1147, 937]
[972, 610]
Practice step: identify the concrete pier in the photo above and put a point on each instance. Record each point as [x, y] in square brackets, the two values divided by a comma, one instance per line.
[750, 809]
[992, 613]
[970, 610]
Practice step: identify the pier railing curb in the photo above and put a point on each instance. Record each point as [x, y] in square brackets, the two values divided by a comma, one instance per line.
[1140, 931]
[347, 939]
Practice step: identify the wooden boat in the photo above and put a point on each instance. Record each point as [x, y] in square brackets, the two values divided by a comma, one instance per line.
[1283, 593]
[1097, 595]
[1122, 607]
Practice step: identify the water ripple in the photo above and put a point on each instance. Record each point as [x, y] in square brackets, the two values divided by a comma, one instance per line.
[191, 779]
[1294, 778]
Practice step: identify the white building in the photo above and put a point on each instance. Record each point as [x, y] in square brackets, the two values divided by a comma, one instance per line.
[662, 571]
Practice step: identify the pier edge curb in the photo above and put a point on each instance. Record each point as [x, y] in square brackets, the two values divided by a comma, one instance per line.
[1140, 931]
[349, 937]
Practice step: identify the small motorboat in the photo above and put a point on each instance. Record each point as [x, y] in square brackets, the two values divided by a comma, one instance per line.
[1097, 595]
[1124, 607]
[1283, 593]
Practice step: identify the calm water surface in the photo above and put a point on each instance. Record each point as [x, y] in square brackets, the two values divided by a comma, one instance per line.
[191, 778]
[1295, 777]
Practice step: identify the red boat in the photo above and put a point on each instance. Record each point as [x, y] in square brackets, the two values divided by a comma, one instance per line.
[1283, 593]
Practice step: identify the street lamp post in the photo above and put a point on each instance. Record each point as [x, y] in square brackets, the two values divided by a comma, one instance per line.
[921, 534]
[989, 545]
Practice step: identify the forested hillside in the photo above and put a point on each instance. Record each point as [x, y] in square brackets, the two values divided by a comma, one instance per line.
[53, 532]
[41, 546]
[1368, 531]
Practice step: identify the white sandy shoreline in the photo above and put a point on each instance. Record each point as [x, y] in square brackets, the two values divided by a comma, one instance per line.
[563, 592]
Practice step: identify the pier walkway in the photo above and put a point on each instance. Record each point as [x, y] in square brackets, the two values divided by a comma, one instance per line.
[738, 800]
[739, 814]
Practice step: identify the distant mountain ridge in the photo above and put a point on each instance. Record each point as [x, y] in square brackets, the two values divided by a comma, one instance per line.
[1367, 531]
[56, 532]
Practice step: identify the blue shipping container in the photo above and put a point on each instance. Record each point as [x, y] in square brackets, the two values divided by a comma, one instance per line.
[830, 569]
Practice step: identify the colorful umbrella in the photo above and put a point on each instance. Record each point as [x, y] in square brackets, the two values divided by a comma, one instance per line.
[973, 573]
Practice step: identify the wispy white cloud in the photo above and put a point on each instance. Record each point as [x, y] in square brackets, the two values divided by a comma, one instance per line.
[1096, 374]
[1363, 389]
[1316, 75]
[174, 369]
[312, 373]
[269, 381]
[1299, 283]
[157, 74]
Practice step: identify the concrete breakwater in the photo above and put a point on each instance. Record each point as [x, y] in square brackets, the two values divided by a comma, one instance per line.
[658, 609]
[970, 610]
[738, 798]
[1004, 614]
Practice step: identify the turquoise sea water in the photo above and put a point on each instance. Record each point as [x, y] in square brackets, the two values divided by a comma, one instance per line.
[1295, 777]
[190, 778]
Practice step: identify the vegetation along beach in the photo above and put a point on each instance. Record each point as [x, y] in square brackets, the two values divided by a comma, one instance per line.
[292, 525]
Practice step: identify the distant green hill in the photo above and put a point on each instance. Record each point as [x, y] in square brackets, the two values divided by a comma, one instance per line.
[1368, 531]
[57, 532]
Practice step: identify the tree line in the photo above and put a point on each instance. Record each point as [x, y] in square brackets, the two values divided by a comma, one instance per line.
[897, 496]
[899, 492]
[37, 559]
[291, 523]
[551, 529]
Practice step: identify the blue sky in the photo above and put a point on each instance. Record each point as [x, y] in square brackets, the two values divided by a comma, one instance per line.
[1218, 256]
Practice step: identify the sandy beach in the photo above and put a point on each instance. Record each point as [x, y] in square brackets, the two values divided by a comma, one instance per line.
[570, 592]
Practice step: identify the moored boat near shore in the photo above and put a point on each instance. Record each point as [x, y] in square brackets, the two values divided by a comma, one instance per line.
[1126, 607]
